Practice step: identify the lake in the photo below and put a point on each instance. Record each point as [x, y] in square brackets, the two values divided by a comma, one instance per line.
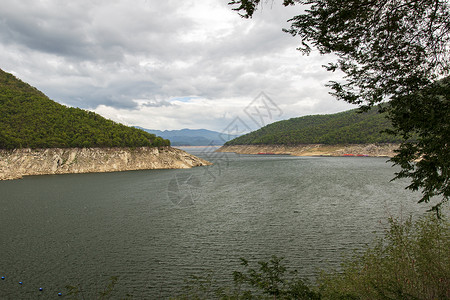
[154, 228]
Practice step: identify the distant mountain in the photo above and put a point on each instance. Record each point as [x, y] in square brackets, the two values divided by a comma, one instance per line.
[348, 127]
[29, 119]
[192, 137]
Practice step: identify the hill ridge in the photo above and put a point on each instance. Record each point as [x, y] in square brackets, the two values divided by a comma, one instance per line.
[348, 127]
[192, 137]
[29, 119]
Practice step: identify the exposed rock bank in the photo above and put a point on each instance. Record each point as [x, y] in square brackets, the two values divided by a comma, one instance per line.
[377, 150]
[20, 162]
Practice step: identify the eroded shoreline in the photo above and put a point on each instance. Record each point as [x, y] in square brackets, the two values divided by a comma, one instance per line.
[15, 164]
[372, 150]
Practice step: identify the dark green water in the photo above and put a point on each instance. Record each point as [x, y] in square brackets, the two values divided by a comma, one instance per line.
[154, 228]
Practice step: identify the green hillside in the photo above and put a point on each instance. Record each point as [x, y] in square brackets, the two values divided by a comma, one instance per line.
[29, 119]
[349, 127]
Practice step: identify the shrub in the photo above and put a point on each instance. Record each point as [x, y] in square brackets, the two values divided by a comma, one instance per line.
[411, 261]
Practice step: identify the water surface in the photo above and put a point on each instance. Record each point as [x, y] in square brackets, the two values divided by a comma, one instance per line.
[153, 228]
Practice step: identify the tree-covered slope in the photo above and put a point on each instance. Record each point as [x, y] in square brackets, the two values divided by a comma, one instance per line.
[349, 127]
[28, 118]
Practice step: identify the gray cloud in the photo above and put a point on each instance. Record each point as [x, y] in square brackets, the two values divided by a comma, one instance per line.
[131, 61]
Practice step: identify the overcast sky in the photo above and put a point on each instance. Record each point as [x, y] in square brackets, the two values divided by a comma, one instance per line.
[164, 64]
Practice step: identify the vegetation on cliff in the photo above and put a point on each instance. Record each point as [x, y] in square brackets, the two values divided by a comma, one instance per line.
[29, 119]
[349, 127]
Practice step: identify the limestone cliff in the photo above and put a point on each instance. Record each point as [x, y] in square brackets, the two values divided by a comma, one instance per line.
[20, 162]
[386, 150]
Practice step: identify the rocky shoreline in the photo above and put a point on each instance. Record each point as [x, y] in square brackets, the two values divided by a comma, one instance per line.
[374, 150]
[15, 164]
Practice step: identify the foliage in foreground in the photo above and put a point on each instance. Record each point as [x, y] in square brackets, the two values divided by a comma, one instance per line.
[29, 119]
[270, 280]
[411, 261]
[427, 161]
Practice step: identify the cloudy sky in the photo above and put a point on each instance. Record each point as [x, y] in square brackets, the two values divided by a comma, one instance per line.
[164, 64]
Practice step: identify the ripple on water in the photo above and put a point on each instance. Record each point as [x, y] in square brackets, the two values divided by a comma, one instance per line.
[84, 228]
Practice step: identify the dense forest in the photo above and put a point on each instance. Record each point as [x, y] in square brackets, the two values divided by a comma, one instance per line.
[29, 119]
[349, 127]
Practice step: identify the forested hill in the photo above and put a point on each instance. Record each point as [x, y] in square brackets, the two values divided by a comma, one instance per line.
[349, 127]
[29, 119]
